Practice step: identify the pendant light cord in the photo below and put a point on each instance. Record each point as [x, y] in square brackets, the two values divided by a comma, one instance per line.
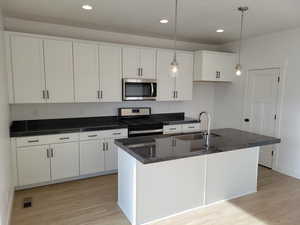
[175, 30]
[241, 35]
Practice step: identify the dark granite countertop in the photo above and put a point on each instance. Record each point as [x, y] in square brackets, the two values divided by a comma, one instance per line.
[71, 125]
[151, 149]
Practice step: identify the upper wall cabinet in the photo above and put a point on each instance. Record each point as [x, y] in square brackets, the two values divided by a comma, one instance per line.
[214, 66]
[170, 88]
[98, 75]
[139, 63]
[26, 69]
[86, 72]
[59, 71]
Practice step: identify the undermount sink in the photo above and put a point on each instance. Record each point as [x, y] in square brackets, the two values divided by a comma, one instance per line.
[200, 136]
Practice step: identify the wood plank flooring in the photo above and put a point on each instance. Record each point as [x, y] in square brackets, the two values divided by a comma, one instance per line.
[93, 202]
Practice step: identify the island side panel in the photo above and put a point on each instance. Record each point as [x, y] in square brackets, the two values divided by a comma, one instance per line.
[231, 174]
[127, 185]
[170, 187]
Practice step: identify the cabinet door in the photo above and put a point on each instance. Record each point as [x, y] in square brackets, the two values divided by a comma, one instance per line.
[65, 160]
[227, 70]
[86, 72]
[111, 155]
[131, 62]
[59, 70]
[91, 157]
[165, 83]
[148, 63]
[27, 69]
[33, 165]
[184, 81]
[210, 60]
[110, 74]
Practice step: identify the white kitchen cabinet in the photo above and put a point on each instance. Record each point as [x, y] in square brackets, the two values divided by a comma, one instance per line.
[86, 72]
[27, 69]
[184, 81]
[139, 63]
[170, 88]
[214, 66]
[64, 160]
[33, 165]
[111, 155]
[59, 70]
[110, 74]
[91, 156]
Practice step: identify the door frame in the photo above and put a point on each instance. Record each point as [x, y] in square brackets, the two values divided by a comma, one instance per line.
[279, 101]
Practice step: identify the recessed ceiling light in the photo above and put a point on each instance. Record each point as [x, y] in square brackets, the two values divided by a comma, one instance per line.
[87, 7]
[164, 21]
[220, 30]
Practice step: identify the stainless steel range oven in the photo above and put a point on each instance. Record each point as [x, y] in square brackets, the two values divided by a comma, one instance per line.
[139, 89]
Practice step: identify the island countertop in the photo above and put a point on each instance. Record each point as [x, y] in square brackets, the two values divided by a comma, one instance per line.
[151, 149]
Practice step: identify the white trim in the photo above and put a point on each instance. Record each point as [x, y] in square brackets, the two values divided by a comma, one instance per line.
[10, 207]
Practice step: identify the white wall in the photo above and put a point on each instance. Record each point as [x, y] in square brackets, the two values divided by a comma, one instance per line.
[203, 99]
[6, 189]
[274, 50]
[27, 26]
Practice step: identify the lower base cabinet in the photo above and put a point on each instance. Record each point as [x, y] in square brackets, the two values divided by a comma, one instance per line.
[64, 160]
[111, 155]
[33, 165]
[91, 157]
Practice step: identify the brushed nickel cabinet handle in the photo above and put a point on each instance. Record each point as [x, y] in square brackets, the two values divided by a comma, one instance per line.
[44, 94]
[98, 94]
[33, 141]
[48, 95]
[52, 154]
[103, 146]
[117, 133]
[93, 135]
[173, 128]
[101, 94]
[64, 138]
[106, 146]
[48, 153]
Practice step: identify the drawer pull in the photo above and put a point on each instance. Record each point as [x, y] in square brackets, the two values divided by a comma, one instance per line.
[173, 128]
[93, 135]
[117, 133]
[33, 141]
[191, 127]
[64, 138]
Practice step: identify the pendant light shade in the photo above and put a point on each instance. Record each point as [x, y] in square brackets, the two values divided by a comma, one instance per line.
[238, 67]
[174, 66]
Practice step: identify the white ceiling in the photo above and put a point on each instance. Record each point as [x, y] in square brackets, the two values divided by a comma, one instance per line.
[198, 19]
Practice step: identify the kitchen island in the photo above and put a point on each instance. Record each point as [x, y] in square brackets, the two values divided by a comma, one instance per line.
[161, 176]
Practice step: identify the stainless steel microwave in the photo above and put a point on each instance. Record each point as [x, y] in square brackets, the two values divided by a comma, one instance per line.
[139, 89]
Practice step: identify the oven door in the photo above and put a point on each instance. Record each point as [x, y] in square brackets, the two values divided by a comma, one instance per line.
[139, 89]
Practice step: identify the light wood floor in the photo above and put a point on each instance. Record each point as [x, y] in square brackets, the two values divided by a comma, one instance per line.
[92, 202]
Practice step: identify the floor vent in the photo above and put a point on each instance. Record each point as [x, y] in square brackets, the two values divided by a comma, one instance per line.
[27, 203]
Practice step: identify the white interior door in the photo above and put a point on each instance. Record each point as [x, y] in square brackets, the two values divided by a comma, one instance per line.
[110, 74]
[261, 105]
[59, 70]
[65, 160]
[86, 72]
[28, 69]
[91, 157]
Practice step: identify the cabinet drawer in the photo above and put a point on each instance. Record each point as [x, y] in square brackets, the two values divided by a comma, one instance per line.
[115, 134]
[62, 138]
[47, 139]
[32, 140]
[191, 127]
[91, 135]
[172, 129]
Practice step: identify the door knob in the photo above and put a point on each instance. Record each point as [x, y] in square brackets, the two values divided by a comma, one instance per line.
[247, 120]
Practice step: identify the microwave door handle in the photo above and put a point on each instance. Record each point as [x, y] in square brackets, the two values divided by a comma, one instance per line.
[152, 90]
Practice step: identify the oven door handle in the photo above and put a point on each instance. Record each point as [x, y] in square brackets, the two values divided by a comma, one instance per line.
[146, 131]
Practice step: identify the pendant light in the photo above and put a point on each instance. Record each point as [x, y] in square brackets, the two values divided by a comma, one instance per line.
[174, 67]
[238, 67]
